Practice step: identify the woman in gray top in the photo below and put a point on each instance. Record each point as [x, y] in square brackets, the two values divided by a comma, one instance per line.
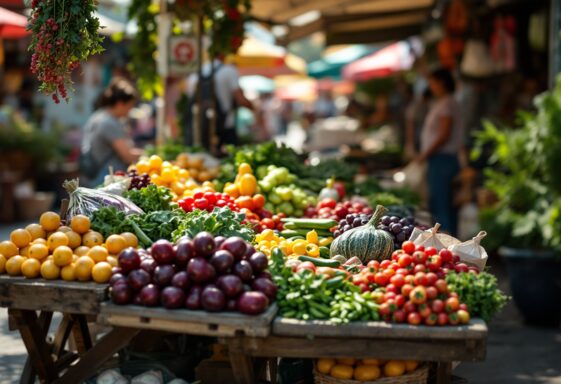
[105, 141]
[441, 144]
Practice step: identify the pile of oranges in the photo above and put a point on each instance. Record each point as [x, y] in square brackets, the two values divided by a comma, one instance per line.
[180, 181]
[70, 253]
[365, 369]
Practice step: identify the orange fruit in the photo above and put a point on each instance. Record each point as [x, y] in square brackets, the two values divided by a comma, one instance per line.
[64, 229]
[83, 269]
[31, 268]
[101, 272]
[56, 240]
[3, 261]
[36, 231]
[232, 190]
[346, 361]
[62, 256]
[20, 237]
[370, 361]
[142, 167]
[394, 368]
[13, 265]
[74, 239]
[38, 251]
[50, 221]
[155, 162]
[24, 251]
[244, 168]
[49, 270]
[247, 185]
[80, 224]
[130, 238]
[411, 365]
[39, 241]
[8, 249]
[341, 371]
[113, 260]
[115, 244]
[68, 273]
[98, 254]
[367, 372]
[92, 238]
[82, 250]
[324, 365]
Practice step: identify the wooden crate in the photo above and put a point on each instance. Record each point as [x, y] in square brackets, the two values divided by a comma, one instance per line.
[223, 324]
[52, 295]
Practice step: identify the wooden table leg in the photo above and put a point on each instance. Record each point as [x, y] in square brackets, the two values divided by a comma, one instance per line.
[33, 336]
[444, 373]
[28, 374]
[94, 358]
[242, 368]
[81, 334]
[62, 334]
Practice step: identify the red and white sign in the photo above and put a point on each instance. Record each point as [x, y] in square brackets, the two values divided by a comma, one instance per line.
[183, 55]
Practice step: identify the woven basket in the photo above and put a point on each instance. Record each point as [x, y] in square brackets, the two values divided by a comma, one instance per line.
[419, 376]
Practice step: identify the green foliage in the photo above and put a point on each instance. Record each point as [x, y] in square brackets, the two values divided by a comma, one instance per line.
[170, 150]
[152, 198]
[219, 222]
[522, 172]
[480, 292]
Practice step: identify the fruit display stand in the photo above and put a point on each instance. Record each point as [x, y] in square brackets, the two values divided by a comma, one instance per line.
[312, 339]
[76, 301]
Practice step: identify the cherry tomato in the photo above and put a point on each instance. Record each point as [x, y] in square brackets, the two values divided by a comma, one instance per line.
[359, 279]
[405, 260]
[388, 272]
[452, 304]
[414, 318]
[418, 295]
[396, 254]
[400, 300]
[430, 251]
[419, 268]
[399, 316]
[211, 197]
[189, 200]
[373, 264]
[431, 278]
[268, 223]
[306, 265]
[384, 309]
[441, 285]
[378, 297]
[364, 287]
[406, 290]
[420, 257]
[464, 307]
[259, 201]
[398, 280]
[446, 255]
[395, 266]
[431, 319]
[461, 268]
[385, 264]
[420, 248]
[421, 279]
[432, 293]
[370, 277]
[392, 288]
[381, 279]
[453, 318]
[464, 316]
[424, 310]
[221, 203]
[410, 279]
[201, 203]
[281, 215]
[437, 306]
[402, 271]
[442, 318]
[391, 303]
[434, 263]
[389, 296]
[409, 307]
[327, 203]
[408, 247]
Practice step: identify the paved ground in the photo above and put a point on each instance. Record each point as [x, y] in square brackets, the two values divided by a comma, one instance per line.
[516, 353]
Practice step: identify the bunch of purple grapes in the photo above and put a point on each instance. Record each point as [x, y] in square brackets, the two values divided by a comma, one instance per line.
[352, 220]
[138, 181]
[399, 228]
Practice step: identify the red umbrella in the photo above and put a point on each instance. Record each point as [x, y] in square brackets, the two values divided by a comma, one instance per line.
[12, 25]
[393, 58]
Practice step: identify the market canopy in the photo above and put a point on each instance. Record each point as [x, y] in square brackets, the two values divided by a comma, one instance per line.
[394, 58]
[12, 25]
[345, 21]
[331, 64]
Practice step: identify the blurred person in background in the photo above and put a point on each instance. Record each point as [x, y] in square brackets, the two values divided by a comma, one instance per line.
[442, 142]
[324, 106]
[415, 115]
[106, 142]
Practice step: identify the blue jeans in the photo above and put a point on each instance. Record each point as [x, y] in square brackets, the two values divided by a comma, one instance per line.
[442, 168]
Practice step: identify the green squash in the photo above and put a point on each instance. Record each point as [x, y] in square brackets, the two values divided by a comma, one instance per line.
[365, 242]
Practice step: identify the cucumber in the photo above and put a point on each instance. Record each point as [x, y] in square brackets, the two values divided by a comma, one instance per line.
[319, 262]
[334, 281]
[311, 223]
[302, 232]
[324, 252]
[294, 238]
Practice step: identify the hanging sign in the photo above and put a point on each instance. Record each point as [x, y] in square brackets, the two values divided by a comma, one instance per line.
[183, 55]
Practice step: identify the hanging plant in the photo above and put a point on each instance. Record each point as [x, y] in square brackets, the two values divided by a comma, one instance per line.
[228, 18]
[63, 34]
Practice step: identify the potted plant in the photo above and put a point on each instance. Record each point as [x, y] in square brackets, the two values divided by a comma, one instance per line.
[524, 172]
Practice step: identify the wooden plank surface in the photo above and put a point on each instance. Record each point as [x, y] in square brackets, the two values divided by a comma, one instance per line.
[477, 329]
[51, 295]
[383, 348]
[186, 321]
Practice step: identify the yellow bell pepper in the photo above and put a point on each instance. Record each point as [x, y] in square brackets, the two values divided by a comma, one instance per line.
[312, 237]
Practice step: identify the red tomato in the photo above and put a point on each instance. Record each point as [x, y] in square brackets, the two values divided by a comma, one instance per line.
[410, 279]
[408, 247]
[418, 295]
[430, 251]
[424, 310]
[431, 319]
[385, 264]
[409, 307]
[435, 262]
[414, 318]
[473, 270]
[463, 316]
[402, 271]
[381, 279]
[211, 197]
[395, 266]
[396, 254]
[221, 203]
[400, 300]
[364, 287]
[442, 319]
[391, 303]
[453, 294]
[201, 203]
[198, 195]
[419, 257]
[420, 248]
[259, 201]
[399, 316]
[370, 278]
[268, 223]
[419, 268]
[452, 304]
[432, 293]
[392, 288]
[388, 272]
[405, 260]
[421, 279]
[281, 215]
[406, 290]
[441, 285]
[384, 309]
[306, 265]
[455, 258]
[398, 280]
[464, 307]
[453, 318]
[378, 297]
[189, 200]
[437, 306]
[389, 296]
[461, 268]
[373, 264]
[431, 278]
[327, 203]
[446, 255]
[359, 279]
